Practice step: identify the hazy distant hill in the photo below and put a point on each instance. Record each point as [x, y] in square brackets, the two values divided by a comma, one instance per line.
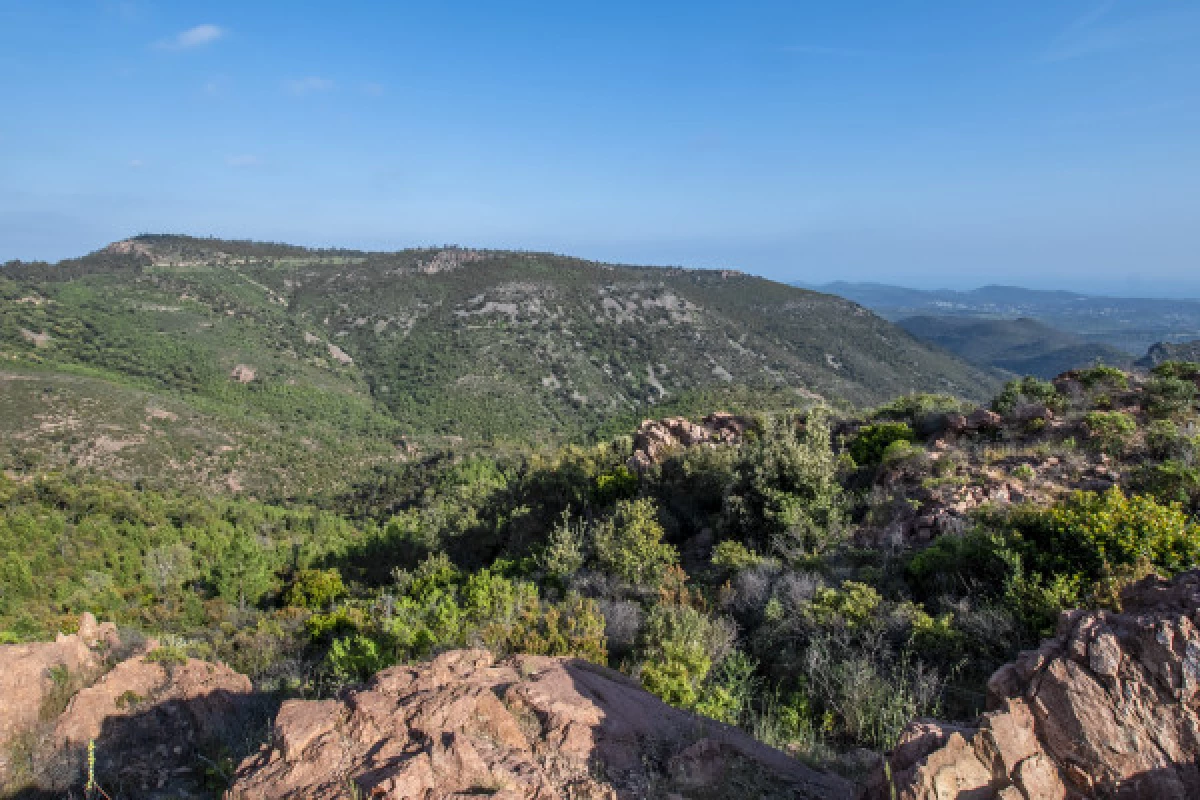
[1130, 324]
[1023, 346]
[327, 361]
[1165, 351]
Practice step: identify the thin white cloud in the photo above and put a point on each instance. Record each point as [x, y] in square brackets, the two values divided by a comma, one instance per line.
[193, 37]
[308, 85]
[243, 161]
[1097, 32]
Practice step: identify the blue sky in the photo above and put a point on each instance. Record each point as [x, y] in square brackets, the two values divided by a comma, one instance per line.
[925, 143]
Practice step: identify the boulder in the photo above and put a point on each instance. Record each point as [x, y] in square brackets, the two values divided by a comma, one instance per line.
[982, 420]
[31, 674]
[1106, 708]
[147, 717]
[656, 439]
[528, 727]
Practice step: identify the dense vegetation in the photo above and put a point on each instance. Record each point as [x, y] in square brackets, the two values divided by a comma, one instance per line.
[315, 464]
[1023, 346]
[288, 370]
[732, 580]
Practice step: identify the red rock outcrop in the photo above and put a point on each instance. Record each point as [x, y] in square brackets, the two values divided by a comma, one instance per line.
[29, 674]
[657, 438]
[1109, 707]
[148, 719]
[532, 728]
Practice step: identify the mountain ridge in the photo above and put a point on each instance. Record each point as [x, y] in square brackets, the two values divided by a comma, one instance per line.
[351, 350]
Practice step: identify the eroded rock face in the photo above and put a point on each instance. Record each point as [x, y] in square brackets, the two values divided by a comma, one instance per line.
[149, 720]
[657, 438]
[30, 673]
[1107, 708]
[529, 727]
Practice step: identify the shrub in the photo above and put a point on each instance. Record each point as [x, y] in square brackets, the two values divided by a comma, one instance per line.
[1110, 431]
[1169, 395]
[729, 692]
[1089, 534]
[167, 656]
[872, 441]
[354, 659]
[619, 484]
[866, 694]
[851, 606]
[314, 589]
[1024, 473]
[678, 645]
[1028, 390]
[1184, 370]
[787, 496]
[573, 628]
[1172, 481]
[732, 556]
[1100, 374]
[920, 410]
[565, 551]
[629, 544]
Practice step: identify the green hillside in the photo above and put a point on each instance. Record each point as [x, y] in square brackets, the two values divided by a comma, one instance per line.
[321, 361]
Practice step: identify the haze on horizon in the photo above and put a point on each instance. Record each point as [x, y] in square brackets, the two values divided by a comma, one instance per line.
[1051, 145]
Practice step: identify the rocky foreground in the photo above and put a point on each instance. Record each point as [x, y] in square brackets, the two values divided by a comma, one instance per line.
[528, 727]
[1108, 708]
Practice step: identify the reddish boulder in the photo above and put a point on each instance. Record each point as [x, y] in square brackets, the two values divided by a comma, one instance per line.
[656, 439]
[30, 674]
[1109, 707]
[529, 728]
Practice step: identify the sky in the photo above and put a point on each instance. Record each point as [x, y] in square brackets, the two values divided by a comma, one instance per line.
[930, 144]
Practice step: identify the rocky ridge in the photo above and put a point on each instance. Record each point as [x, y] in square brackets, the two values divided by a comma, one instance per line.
[1107, 708]
[535, 728]
[655, 439]
[151, 716]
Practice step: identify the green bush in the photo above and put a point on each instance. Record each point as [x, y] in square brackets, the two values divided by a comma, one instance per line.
[1172, 481]
[853, 605]
[566, 549]
[629, 544]
[728, 694]
[786, 498]
[730, 556]
[1169, 395]
[354, 659]
[1184, 370]
[677, 645]
[314, 589]
[1102, 375]
[1110, 431]
[621, 483]
[1089, 535]
[872, 441]
[1028, 390]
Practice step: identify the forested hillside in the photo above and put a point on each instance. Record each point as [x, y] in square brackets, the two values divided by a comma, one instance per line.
[819, 578]
[264, 366]
[1021, 346]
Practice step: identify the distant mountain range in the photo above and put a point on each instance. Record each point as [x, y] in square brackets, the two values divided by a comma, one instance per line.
[1021, 346]
[1129, 324]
